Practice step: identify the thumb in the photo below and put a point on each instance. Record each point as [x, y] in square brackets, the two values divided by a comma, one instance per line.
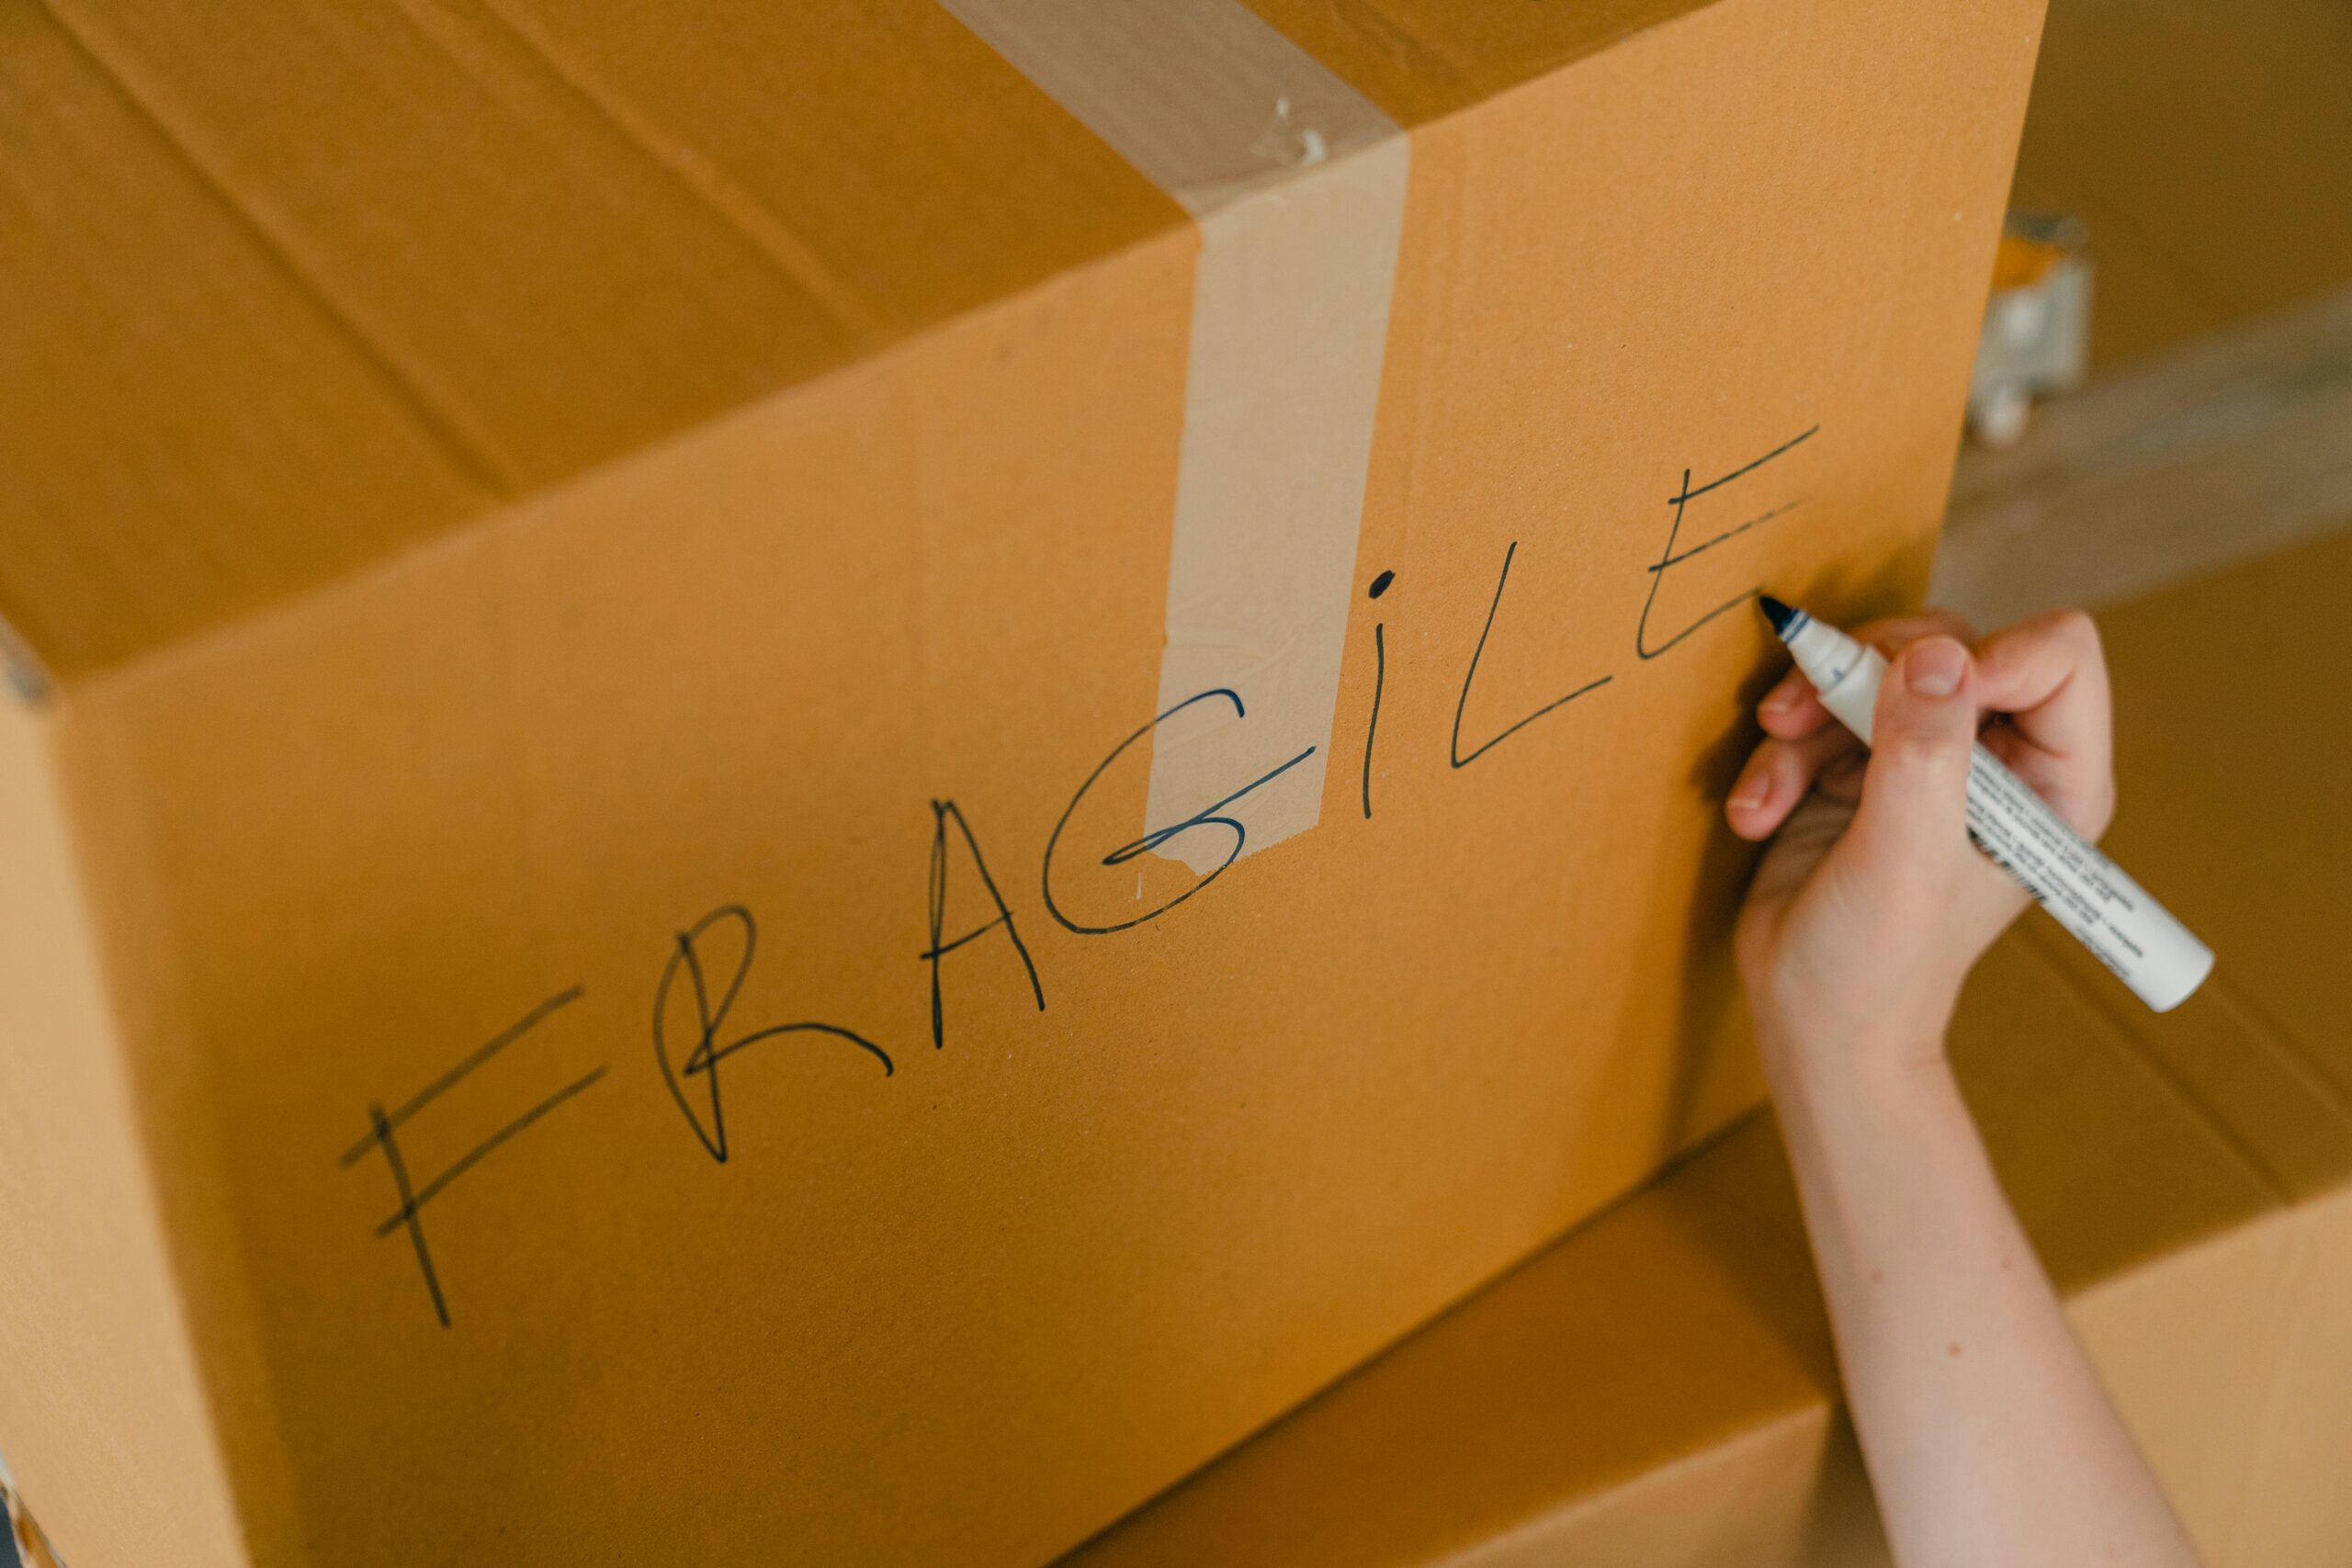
[1914, 791]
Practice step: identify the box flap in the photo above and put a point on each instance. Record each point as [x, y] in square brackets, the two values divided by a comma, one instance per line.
[303, 285]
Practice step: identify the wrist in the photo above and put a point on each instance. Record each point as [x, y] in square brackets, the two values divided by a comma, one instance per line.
[1871, 1122]
[1891, 1062]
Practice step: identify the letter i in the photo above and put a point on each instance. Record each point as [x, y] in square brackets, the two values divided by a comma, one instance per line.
[1379, 681]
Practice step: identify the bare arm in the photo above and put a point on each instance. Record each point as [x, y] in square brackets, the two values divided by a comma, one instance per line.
[1988, 1438]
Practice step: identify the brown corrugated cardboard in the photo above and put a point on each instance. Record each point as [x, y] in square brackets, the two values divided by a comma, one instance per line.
[386, 265]
[2235, 445]
[1658, 1388]
[23, 1531]
[2190, 137]
[516, 497]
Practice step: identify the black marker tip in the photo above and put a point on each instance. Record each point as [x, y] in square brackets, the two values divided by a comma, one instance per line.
[1780, 614]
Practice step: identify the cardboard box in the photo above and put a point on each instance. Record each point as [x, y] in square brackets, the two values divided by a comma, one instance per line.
[2187, 137]
[1659, 1388]
[510, 499]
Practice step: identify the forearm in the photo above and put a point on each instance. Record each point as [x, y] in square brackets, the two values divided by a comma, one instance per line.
[1987, 1436]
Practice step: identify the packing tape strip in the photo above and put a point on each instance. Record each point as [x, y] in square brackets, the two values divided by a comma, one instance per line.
[1298, 185]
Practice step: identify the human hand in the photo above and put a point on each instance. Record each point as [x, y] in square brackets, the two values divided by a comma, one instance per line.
[1871, 905]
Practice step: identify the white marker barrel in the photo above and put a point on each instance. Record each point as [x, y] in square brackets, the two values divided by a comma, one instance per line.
[2085, 892]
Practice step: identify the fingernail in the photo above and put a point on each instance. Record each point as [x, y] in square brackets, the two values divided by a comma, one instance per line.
[1749, 792]
[1933, 665]
[1781, 700]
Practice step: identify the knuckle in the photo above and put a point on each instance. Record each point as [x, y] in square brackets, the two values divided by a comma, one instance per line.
[1923, 750]
[1954, 624]
[2087, 804]
[2075, 629]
